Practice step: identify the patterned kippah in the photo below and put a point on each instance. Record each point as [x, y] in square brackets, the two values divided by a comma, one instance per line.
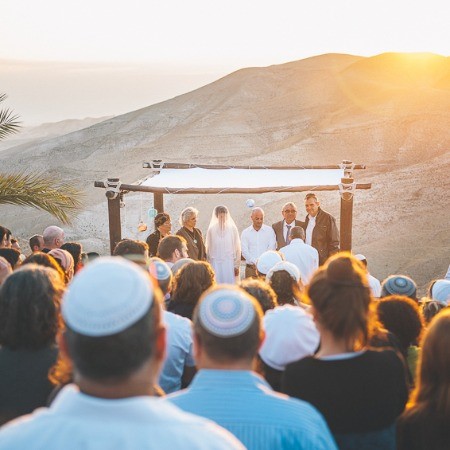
[398, 285]
[226, 312]
[107, 297]
[159, 269]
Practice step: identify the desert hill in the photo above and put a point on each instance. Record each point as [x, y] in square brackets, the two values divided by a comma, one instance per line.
[389, 111]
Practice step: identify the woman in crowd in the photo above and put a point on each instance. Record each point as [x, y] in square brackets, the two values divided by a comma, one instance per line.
[163, 226]
[29, 321]
[284, 279]
[76, 250]
[190, 282]
[65, 260]
[193, 236]
[359, 391]
[425, 425]
[401, 316]
[223, 246]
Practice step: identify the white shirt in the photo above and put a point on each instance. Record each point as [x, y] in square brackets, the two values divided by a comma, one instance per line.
[309, 229]
[78, 421]
[305, 257]
[286, 230]
[375, 286]
[255, 243]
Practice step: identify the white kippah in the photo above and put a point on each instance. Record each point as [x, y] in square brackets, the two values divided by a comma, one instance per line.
[106, 297]
[226, 312]
[360, 257]
[267, 260]
[290, 268]
[159, 269]
[441, 291]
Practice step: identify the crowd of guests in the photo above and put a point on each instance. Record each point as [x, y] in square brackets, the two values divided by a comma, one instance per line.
[168, 344]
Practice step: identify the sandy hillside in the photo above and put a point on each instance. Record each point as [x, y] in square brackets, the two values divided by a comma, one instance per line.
[391, 112]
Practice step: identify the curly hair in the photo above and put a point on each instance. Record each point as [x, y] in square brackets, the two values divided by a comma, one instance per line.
[261, 291]
[401, 316]
[30, 308]
[191, 281]
[286, 288]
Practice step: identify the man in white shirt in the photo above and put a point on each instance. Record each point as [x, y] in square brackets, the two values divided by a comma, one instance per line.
[115, 342]
[255, 240]
[305, 257]
[283, 227]
[374, 283]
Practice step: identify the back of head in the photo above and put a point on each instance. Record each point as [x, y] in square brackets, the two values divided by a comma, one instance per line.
[29, 308]
[266, 261]
[399, 285]
[341, 298]
[227, 322]
[64, 258]
[53, 237]
[111, 314]
[439, 291]
[284, 279]
[261, 291]
[11, 255]
[401, 316]
[75, 249]
[161, 273]
[297, 233]
[134, 250]
[45, 260]
[168, 245]
[36, 243]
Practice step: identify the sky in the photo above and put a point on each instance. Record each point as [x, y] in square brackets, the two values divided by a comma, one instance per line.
[91, 58]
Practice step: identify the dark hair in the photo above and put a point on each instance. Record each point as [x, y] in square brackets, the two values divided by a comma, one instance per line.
[74, 248]
[261, 291]
[244, 346]
[341, 297]
[161, 219]
[35, 241]
[29, 308]
[44, 260]
[400, 315]
[285, 287]
[168, 245]
[311, 195]
[220, 210]
[429, 308]
[117, 356]
[130, 247]
[191, 281]
[4, 232]
[11, 255]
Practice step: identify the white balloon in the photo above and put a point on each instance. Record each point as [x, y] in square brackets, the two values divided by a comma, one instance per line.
[250, 203]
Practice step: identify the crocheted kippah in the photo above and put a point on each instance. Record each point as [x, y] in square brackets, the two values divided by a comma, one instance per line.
[267, 260]
[398, 285]
[159, 269]
[441, 291]
[290, 268]
[107, 297]
[226, 312]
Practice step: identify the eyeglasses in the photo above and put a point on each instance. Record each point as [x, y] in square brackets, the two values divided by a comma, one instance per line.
[290, 211]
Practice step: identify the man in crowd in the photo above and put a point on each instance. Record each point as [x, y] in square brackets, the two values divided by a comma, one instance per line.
[374, 283]
[283, 227]
[36, 243]
[172, 248]
[305, 257]
[320, 228]
[255, 240]
[53, 238]
[115, 343]
[227, 335]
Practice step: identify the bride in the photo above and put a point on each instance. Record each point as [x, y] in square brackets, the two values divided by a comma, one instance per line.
[223, 246]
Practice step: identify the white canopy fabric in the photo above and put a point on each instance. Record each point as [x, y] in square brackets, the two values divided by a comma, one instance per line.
[199, 178]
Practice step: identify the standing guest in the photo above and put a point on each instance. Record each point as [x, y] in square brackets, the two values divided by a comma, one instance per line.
[171, 249]
[425, 423]
[190, 282]
[5, 237]
[374, 283]
[194, 238]
[255, 240]
[36, 243]
[29, 321]
[399, 285]
[305, 257]
[320, 228]
[342, 380]
[223, 246]
[283, 228]
[227, 335]
[163, 226]
[115, 342]
[75, 249]
[12, 256]
[53, 238]
[65, 260]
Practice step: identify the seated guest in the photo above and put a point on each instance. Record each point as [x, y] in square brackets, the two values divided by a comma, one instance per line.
[429, 308]
[115, 342]
[190, 282]
[261, 291]
[163, 225]
[171, 249]
[29, 321]
[194, 238]
[179, 365]
[425, 423]
[284, 279]
[227, 335]
[266, 261]
[360, 392]
[399, 285]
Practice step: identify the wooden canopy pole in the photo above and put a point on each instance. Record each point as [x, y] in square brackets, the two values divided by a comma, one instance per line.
[113, 196]
[158, 201]
[346, 214]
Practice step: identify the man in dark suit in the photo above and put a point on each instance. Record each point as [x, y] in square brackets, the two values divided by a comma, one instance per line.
[283, 227]
[320, 228]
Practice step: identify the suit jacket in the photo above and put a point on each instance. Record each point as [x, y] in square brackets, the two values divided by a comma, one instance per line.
[278, 228]
[325, 236]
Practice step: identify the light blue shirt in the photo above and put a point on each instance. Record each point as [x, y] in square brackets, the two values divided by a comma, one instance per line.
[179, 351]
[243, 403]
[77, 421]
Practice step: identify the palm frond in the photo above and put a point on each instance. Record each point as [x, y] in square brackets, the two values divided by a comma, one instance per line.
[41, 191]
[9, 123]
